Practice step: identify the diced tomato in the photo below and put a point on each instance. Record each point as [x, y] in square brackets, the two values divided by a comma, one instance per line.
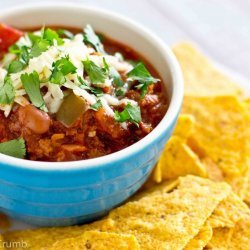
[8, 36]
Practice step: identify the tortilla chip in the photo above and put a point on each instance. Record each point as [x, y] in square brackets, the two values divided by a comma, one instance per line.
[219, 131]
[238, 183]
[1, 242]
[177, 160]
[168, 221]
[200, 77]
[201, 239]
[184, 126]
[213, 171]
[247, 189]
[155, 177]
[98, 240]
[240, 235]
[220, 239]
[164, 187]
[231, 238]
[42, 238]
[229, 212]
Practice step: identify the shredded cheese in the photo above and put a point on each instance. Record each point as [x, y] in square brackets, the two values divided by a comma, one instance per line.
[77, 51]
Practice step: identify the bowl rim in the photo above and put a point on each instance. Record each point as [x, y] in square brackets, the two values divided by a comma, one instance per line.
[100, 162]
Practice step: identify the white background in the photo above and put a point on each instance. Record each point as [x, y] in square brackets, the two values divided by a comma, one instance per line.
[221, 28]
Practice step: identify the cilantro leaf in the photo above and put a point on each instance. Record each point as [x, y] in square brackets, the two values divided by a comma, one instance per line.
[62, 67]
[95, 73]
[96, 91]
[65, 33]
[143, 87]
[51, 35]
[15, 148]
[120, 92]
[65, 66]
[7, 91]
[141, 74]
[31, 84]
[57, 77]
[15, 66]
[91, 38]
[38, 48]
[106, 66]
[96, 106]
[33, 38]
[14, 49]
[116, 77]
[24, 56]
[130, 113]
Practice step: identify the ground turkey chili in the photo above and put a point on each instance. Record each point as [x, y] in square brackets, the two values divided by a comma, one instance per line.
[69, 95]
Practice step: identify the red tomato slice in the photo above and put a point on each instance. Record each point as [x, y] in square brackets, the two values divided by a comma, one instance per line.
[8, 36]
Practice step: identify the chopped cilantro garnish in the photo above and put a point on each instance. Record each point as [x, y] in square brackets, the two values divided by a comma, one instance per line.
[7, 91]
[24, 56]
[65, 66]
[65, 33]
[95, 73]
[15, 148]
[113, 73]
[38, 48]
[130, 113]
[141, 74]
[96, 106]
[143, 87]
[33, 38]
[57, 77]
[39, 44]
[106, 66]
[96, 91]
[62, 67]
[116, 77]
[120, 92]
[18, 65]
[91, 38]
[15, 66]
[51, 35]
[14, 49]
[31, 84]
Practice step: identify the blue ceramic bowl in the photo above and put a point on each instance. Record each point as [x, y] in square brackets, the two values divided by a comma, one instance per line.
[49, 194]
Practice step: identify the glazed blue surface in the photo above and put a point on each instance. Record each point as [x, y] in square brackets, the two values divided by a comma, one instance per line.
[73, 196]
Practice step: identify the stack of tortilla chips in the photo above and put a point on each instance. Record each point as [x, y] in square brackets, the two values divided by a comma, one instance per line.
[198, 193]
[212, 136]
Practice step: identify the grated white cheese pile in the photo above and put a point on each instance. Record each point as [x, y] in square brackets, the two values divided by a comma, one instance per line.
[77, 51]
